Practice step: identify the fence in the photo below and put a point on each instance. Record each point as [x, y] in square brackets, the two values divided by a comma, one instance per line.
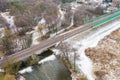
[94, 19]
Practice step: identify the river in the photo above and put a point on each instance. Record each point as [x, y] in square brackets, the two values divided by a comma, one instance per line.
[49, 68]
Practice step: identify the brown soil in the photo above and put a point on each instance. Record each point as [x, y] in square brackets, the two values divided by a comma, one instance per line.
[106, 57]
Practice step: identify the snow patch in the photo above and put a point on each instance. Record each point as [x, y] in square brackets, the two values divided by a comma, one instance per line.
[42, 22]
[10, 20]
[56, 51]
[29, 70]
[50, 58]
[1, 70]
[54, 34]
[37, 34]
[92, 40]
[21, 78]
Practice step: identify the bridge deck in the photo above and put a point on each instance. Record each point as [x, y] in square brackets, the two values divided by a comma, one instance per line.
[48, 43]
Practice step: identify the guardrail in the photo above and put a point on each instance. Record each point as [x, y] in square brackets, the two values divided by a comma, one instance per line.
[94, 19]
[50, 42]
[106, 20]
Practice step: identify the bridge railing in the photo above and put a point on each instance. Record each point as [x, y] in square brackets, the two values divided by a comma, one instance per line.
[106, 20]
[94, 19]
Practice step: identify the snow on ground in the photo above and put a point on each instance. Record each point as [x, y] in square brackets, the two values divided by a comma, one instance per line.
[56, 51]
[62, 13]
[21, 78]
[34, 38]
[93, 40]
[73, 8]
[10, 20]
[89, 40]
[1, 70]
[84, 63]
[62, 17]
[28, 69]
[44, 31]
[42, 22]
[54, 34]
[37, 34]
[49, 58]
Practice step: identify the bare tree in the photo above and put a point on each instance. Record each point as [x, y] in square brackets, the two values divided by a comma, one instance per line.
[81, 15]
[6, 42]
[3, 22]
[75, 58]
[65, 49]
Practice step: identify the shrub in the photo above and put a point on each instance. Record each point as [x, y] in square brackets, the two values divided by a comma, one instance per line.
[33, 60]
[16, 5]
[11, 68]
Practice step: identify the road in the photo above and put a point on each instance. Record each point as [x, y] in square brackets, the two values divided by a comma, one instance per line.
[48, 43]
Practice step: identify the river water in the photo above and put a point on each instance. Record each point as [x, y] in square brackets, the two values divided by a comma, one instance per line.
[52, 68]
[49, 68]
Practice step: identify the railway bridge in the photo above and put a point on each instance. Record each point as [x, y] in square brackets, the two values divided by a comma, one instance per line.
[92, 23]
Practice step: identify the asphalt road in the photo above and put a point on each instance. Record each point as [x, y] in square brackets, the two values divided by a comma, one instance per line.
[48, 43]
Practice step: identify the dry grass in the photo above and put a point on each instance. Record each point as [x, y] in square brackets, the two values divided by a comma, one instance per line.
[7, 77]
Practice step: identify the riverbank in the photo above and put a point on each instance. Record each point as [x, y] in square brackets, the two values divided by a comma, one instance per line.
[49, 68]
[106, 57]
[78, 44]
